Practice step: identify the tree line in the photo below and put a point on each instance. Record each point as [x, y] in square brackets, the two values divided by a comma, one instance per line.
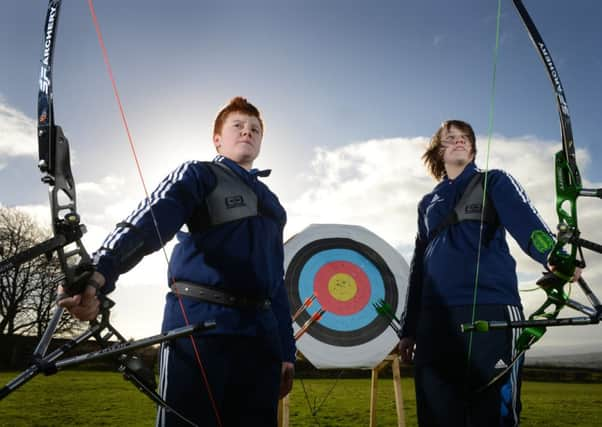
[28, 291]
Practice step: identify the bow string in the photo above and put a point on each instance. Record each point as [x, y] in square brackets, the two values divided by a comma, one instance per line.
[196, 351]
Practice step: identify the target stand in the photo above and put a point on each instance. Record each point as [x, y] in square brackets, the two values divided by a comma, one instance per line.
[334, 274]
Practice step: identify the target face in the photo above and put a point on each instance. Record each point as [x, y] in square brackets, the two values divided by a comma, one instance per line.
[340, 271]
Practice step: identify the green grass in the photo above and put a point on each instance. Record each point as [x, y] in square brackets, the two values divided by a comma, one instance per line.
[88, 398]
[74, 398]
[348, 404]
[557, 404]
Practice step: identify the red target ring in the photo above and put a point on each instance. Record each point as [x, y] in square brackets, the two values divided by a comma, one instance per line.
[342, 288]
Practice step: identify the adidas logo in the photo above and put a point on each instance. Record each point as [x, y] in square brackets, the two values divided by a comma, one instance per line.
[500, 364]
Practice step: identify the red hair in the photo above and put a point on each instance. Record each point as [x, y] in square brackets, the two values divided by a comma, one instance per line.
[236, 105]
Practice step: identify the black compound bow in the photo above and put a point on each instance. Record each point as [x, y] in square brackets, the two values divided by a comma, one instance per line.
[75, 262]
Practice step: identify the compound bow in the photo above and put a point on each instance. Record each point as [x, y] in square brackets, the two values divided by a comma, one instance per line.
[566, 254]
[75, 262]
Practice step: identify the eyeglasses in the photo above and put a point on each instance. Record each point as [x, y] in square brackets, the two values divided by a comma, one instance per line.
[451, 140]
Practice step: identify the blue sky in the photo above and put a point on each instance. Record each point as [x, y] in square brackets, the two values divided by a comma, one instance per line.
[324, 73]
[350, 92]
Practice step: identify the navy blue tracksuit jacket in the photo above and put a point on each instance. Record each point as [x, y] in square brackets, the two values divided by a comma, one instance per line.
[442, 271]
[244, 256]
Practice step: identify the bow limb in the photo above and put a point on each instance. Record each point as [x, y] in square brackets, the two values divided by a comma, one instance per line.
[55, 166]
[568, 177]
[568, 187]
[54, 163]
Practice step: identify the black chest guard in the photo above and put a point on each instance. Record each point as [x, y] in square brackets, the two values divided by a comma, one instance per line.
[231, 199]
[470, 208]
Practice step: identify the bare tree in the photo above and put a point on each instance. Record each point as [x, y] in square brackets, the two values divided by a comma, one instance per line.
[27, 292]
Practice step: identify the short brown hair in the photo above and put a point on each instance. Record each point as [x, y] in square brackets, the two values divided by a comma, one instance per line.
[236, 105]
[433, 158]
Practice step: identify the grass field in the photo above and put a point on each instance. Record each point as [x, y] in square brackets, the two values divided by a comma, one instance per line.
[89, 398]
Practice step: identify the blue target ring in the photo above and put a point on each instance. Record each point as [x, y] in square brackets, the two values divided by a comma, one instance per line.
[330, 320]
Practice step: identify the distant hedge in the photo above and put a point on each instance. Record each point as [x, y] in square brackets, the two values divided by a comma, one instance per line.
[16, 351]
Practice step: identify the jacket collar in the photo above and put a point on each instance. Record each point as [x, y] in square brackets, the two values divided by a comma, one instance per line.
[468, 171]
[253, 173]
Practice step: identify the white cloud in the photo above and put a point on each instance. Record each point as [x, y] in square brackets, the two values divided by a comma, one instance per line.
[17, 133]
[104, 203]
[104, 186]
[375, 184]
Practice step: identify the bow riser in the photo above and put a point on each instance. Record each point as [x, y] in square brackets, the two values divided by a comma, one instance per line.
[568, 145]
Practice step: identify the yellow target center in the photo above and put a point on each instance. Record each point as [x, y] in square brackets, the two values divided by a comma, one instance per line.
[342, 286]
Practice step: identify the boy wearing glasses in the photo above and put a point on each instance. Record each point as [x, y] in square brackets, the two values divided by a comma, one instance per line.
[461, 222]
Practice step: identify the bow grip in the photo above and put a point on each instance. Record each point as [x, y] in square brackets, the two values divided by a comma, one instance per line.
[551, 280]
[76, 280]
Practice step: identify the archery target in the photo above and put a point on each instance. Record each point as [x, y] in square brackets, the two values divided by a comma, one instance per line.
[341, 270]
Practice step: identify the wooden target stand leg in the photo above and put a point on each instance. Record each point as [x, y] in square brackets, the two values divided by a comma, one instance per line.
[284, 404]
[394, 360]
[284, 411]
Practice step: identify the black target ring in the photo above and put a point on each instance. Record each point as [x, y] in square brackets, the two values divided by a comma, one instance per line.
[355, 337]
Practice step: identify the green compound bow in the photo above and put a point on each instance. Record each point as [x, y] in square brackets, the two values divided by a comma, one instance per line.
[566, 254]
